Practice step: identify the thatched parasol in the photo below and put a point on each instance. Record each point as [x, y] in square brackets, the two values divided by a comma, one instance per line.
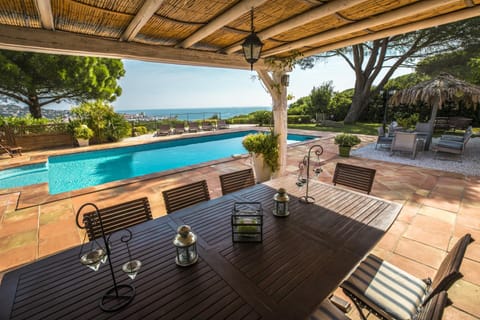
[436, 92]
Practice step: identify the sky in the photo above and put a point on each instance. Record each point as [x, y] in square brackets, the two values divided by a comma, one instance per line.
[148, 85]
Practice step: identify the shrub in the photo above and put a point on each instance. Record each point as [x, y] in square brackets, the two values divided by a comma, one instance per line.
[82, 132]
[139, 130]
[292, 119]
[347, 140]
[265, 144]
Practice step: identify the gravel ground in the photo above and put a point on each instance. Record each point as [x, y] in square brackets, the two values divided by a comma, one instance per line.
[469, 164]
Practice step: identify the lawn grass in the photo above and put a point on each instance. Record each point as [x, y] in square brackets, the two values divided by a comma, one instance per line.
[368, 128]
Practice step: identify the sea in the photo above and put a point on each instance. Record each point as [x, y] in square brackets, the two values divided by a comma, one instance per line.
[191, 114]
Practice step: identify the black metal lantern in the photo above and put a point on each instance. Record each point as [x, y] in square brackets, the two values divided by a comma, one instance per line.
[186, 244]
[252, 46]
[280, 203]
[247, 222]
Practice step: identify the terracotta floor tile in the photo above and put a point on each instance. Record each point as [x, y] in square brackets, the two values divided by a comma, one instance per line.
[465, 296]
[415, 268]
[24, 225]
[471, 271]
[18, 256]
[423, 235]
[414, 250]
[18, 240]
[432, 224]
[452, 313]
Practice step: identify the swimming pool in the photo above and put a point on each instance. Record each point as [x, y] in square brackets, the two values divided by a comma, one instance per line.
[85, 169]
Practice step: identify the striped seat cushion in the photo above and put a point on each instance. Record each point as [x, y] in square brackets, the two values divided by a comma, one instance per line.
[382, 285]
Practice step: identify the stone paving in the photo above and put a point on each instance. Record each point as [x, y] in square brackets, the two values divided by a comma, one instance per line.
[438, 208]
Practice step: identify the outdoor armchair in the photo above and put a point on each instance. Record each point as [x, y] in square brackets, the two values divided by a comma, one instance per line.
[163, 130]
[392, 293]
[404, 142]
[383, 139]
[207, 126]
[193, 127]
[179, 128]
[449, 145]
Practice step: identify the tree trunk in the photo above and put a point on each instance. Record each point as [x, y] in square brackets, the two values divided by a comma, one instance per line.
[34, 107]
[359, 103]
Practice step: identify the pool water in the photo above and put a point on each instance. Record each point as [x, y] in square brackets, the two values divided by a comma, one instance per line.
[80, 170]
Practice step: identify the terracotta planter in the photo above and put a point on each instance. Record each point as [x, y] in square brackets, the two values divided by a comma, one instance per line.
[82, 142]
[260, 169]
[344, 151]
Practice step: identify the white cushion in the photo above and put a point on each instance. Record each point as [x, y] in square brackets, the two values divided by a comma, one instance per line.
[388, 287]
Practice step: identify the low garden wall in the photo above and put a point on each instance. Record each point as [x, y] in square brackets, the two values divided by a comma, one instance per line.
[39, 137]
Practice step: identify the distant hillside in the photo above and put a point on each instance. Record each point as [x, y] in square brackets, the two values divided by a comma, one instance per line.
[10, 110]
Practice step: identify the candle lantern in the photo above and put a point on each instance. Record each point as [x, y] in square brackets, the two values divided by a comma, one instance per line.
[186, 244]
[247, 222]
[280, 203]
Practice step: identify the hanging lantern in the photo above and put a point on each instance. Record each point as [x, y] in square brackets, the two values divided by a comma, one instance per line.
[186, 244]
[280, 203]
[252, 46]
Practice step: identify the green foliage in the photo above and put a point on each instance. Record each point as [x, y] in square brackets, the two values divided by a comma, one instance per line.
[266, 144]
[320, 99]
[405, 81]
[261, 117]
[346, 140]
[474, 65]
[82, 132]
[107, 125]
[300, 107]
[299, 119]
[37, 79]
[339, 104]
[140, 130]
[22, 121]
[458, 64]
[406, 120]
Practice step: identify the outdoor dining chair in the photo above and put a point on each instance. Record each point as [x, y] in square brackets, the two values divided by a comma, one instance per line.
[391, 293]
[237, 180]
[185, 196]
[117, 217]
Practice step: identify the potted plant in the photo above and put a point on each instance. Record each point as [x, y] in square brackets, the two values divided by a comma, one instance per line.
[345, 142]
[82, 133]
[263, 147]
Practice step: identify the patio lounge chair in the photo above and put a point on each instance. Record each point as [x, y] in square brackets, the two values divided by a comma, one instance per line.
[11, 151]
[193, 127]
[392, 293]
[117, 217]
[163, 130]
[207, 126]
[404, 142]
[237, 180]
[179, 128]
[448, 145]
[382, 139]
[185, 196]
[222, 124]
[458, 138]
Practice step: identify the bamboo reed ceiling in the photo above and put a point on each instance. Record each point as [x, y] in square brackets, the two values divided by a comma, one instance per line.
[209, 32]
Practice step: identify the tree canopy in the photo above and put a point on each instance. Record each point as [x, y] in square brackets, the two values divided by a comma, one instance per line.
[377, 60]
[36, 79]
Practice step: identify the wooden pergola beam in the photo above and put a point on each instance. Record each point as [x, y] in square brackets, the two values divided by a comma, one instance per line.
[220, 21]
[44, 9]
[424, 24]
[141, 18]
[388, 17]
[304, 18]
[57, 42]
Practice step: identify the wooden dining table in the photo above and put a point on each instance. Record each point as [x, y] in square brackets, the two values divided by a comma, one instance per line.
[300, 262]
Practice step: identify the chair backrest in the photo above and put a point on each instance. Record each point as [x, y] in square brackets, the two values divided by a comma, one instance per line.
[433, 310]
[185, 196]
[422, 127]
[117, 217]
[449, 270]
[360, 178]
[381, 132]
[237, 180]
[404, 141]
